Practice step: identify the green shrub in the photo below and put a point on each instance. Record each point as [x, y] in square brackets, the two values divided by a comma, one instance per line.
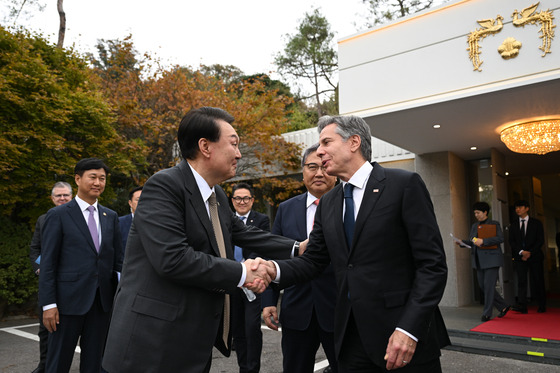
[18, 283]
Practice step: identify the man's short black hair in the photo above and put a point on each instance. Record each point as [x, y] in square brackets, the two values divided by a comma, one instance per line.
[242, 186]
[131, 194]
[521, 203]
[481, 206]
[197, 124]
[90, 164]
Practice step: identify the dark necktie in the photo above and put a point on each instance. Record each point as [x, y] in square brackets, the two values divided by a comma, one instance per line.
[238, 252]
[92, 226]
[215, 219]
[349, 221]
[523, 233]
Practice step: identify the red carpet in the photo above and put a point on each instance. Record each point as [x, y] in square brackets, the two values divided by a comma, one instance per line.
[532, 325]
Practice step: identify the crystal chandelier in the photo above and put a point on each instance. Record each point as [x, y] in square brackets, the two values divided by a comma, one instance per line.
[533, 137]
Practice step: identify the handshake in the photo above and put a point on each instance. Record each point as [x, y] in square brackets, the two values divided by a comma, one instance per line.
[260, 273]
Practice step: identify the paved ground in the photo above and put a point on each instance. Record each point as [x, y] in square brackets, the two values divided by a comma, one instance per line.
[19, 353]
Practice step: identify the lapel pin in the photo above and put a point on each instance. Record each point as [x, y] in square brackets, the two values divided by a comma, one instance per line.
[376, 191]
[104, 214]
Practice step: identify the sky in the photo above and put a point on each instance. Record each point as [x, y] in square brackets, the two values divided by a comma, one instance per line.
[243, 33]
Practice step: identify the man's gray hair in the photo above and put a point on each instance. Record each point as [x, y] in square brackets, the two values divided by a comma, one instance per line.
[61, 184]
[349, 126]
[311, 149]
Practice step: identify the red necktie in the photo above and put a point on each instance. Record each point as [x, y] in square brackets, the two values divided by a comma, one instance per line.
[316, 203]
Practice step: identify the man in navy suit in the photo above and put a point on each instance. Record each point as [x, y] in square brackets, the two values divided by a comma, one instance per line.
[379, 231]
[81, 255]
[307, 311]
[526, 239]
[126, 221]
[246, 313]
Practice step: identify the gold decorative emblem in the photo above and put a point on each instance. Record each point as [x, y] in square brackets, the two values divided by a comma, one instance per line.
[489, 27]
[544, 17]
[509, 48]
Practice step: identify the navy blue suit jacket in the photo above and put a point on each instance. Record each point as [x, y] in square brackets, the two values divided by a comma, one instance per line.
[299, 300]
[71, 268]
[124, 223]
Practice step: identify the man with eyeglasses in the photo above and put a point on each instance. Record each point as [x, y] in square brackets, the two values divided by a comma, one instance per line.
[60, 194]
[246, 312]
[307, 314]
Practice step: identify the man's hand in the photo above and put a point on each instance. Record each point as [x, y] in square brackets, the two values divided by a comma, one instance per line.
[400, 350]
[270, 316]
[303, 246]
[525, 255]
[50, 319]
[478, 242]
[259, 274]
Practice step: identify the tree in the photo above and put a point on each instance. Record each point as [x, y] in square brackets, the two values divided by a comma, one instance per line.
[382, 11]
[62, 26]
[149, 103]
[51, 115]
[309, 55]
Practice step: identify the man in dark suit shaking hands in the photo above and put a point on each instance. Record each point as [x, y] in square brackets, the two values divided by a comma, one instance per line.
[80, 257]
[379, 231]
[172, 304]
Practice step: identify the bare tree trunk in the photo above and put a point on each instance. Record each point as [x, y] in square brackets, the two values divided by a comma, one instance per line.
[62, 28]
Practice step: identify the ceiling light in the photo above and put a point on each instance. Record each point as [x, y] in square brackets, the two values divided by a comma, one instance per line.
[437, 126]
[473, 147]
[533, 137]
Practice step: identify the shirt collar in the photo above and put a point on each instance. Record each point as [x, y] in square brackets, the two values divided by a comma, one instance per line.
[310, 199]
[83, 204]
[203, 187]
[246, 215]
[360, 177]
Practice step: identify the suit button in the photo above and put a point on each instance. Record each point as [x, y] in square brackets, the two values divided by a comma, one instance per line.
[350, 266]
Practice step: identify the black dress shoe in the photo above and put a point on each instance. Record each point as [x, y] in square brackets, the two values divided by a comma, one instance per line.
[521, 309]
[541, 309]
[327, 369]
[39, 370]
[504, 312]
[484, 318]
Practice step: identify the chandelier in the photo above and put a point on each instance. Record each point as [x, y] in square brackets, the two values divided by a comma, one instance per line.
[533, 137]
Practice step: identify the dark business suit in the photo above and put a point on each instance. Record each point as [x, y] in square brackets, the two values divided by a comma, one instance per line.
[124, 223]
[534, 241]
[307, 309]
[394, 273]
[169, 303]
[487, 263]
[80, 281]
[246, 316]
[34, 253]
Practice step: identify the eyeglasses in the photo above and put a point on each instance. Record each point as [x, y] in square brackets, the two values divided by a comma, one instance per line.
[61, 195]
[240, 199]
[313, 167]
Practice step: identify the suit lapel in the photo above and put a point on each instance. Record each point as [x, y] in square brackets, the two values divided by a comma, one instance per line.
[374, 189]
[104, 224]
[78, 218]
[337, 201]
[301, 216]
[198, 205]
